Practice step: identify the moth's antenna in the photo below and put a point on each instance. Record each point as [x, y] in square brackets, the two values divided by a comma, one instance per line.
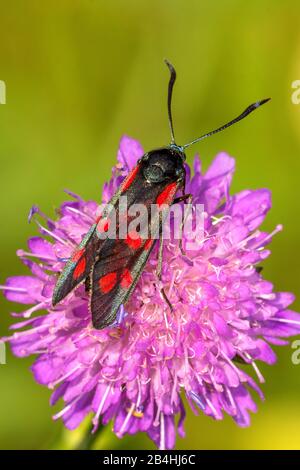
[247, 111]
[170, 91]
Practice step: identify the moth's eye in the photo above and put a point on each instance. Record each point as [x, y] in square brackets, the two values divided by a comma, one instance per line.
[154, 174]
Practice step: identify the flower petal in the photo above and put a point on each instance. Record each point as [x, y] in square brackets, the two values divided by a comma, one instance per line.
[252, 206]
[130, 150]
[23, 289]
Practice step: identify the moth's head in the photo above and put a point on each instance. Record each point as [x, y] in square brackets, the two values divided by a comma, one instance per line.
[164, 164]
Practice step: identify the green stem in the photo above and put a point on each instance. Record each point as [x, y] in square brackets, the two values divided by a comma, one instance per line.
[89, 438]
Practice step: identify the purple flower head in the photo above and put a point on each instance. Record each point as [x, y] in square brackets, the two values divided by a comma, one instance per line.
[137, 371]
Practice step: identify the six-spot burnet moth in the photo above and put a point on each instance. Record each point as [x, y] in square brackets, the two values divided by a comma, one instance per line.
[111, 267]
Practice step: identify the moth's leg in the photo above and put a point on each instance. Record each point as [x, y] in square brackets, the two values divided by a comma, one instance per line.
[87, 284]
[163, 293]
[184, 197]
[160, 253]
[159, 266]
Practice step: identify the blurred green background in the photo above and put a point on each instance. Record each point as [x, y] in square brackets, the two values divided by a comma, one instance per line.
[79, 74]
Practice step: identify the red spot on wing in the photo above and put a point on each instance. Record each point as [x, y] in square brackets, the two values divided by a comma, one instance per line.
[167, 195]
[130, 178]
[133, 240]
[80, 268]
[103, 225]
[148, 244]
[107, 282]
[126, 279]
[77, 255]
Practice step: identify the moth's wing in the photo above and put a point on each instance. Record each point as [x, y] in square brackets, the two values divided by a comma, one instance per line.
[78, 266]
[121, 262]
[114, 277]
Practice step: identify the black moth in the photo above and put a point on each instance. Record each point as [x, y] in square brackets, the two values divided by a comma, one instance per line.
[112, 267]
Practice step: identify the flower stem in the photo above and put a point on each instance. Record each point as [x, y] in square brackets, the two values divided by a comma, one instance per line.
[89, 438]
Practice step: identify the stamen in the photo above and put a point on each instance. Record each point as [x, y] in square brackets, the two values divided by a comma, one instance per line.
[213, 409]
[166, 319]
[20, 334]
[51, 385]
[45, 231]
[169, 340]
[258, 373]
[27, 313]
[33, 210]
[99, 411]
[138, 401]
[285, 320]
[128, 416]
[278, 228]
[236, 369]
[197, 400]
[23, 324]
[81, 213]
[217, 270]
[270, 296]
[231, 399]
[36, 210]
[73, 195]
[244, 242]
[13, 289]
[23, 253]
[162, 443]
[79, 338]
[66, 408]
[217, 220]
[156, 419]
[145, 382]
[111, 379]
[218, 387]
[255, 367]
